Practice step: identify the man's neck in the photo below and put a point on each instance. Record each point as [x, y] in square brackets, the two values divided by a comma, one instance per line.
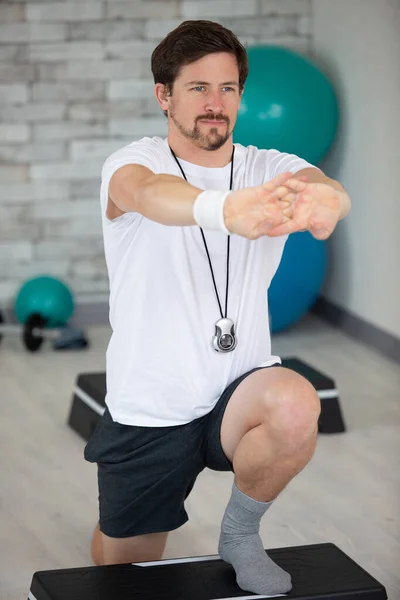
[186, 150]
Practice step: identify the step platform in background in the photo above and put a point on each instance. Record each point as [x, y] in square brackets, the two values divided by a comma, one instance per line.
[319, 572]
[89, 393]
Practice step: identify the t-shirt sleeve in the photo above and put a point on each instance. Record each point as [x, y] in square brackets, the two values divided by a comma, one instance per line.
[280, 162]
[139, 153]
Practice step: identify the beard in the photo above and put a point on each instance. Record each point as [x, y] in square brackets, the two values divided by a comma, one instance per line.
[212, 140]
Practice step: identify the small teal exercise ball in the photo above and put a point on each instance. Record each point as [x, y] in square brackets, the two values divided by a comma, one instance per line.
[298, 280]
[49, 297]
[288, 104]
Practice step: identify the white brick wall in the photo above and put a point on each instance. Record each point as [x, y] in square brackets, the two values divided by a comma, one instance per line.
[34, 192]
[64, 130]
[285, 7]
[58, 249]
[19, 251]
[32, 153]
[58, 268]
[126, 49]
[138, 127]
[208, 9]
[33, 112]
[104, 70]
[66, 171]
[62, 91]
[14, 134]
[14, 173]
[95, 111]
[75, 84]
[100, 148]
[64, 11]
[11, 13]
[135, 88]
[10, 72]
[86, 188]
[67, 51]
[14, 93]
[32, 32]
[64, 210]
[156, 29]
[139, 9]
[13, 52]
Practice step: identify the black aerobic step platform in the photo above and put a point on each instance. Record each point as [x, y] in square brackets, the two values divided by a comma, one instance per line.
[89, 393]
[319, 572]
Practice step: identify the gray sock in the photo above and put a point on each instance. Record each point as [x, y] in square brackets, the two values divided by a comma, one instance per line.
[240, 545]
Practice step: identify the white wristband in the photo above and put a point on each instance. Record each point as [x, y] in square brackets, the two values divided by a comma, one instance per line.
[208, 210]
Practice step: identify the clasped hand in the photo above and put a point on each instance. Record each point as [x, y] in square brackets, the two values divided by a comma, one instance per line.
[315, 207]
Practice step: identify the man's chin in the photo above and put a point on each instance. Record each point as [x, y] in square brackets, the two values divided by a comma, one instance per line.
[212, 145]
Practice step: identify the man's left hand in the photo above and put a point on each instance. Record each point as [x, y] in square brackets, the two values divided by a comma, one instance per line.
[316, 207]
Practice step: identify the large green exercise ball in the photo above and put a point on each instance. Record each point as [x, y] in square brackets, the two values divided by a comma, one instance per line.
[298, 280]
[288, 104]
[49, 297]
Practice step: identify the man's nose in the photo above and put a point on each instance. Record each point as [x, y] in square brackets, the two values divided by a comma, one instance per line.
[214, 103]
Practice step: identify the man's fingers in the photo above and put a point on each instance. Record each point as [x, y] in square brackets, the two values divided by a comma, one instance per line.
[290, 223]
[296, 185]
[279, 192]
[277, 181]
[287, 211]
[320, 233]
[266, 226]
[283, 229]
[288, 199]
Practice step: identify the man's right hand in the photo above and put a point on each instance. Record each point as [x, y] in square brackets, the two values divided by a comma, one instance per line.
[253, 211]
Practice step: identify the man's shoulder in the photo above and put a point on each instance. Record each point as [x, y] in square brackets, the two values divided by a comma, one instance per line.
[251, 150]
[254, 155]
[147, 150]
[152, 144]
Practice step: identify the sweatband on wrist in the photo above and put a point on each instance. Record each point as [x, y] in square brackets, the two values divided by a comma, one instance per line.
[208, 210]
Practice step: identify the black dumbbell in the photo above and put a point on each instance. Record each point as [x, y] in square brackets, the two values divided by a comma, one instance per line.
[33, 334]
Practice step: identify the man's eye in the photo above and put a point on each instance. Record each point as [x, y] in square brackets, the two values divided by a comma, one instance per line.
[202, 87]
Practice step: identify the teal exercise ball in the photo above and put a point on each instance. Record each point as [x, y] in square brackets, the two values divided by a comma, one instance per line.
[49, 297]
[298, 280]
[288, 104]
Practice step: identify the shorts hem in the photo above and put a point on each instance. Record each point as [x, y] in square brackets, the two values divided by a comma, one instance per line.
[143, 531]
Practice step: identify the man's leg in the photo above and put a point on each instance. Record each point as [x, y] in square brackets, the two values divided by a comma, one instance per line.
[269, 433]
[141, 548]
[97, 547]
[144, 475]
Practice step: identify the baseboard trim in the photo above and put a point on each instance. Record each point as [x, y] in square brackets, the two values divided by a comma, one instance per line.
[91, 313]
[365, 332]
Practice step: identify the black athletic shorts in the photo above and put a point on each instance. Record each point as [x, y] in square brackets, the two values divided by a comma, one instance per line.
[146, 473]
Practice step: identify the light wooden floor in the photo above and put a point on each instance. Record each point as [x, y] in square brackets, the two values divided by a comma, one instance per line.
[349, 494]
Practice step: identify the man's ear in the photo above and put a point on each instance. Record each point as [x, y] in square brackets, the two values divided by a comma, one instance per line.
[162, 94]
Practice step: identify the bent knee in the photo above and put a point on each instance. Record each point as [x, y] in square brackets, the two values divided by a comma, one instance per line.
[293, 412]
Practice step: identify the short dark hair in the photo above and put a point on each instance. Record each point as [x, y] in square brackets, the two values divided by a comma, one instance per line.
[189, 42]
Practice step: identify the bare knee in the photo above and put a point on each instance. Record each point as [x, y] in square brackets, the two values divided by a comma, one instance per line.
[291, 412]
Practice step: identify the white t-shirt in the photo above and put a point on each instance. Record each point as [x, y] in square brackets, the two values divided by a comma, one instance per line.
[161, 367]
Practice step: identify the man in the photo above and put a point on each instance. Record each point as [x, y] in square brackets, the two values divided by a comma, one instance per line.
[194, 229]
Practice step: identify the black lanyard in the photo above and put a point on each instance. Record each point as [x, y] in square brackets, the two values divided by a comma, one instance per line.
[205, 243]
